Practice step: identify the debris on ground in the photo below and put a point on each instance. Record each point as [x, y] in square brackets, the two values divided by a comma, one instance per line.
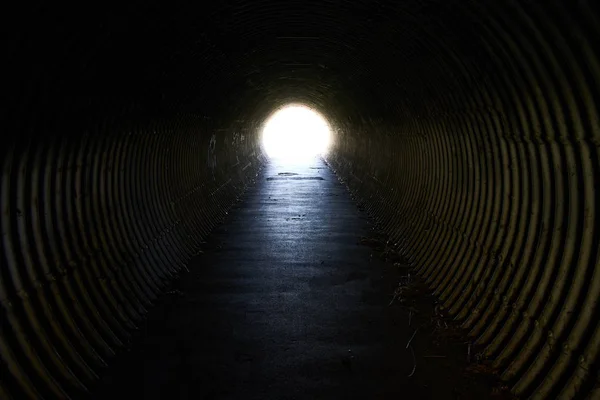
[385, 249]
[448, 343]
[412, 351]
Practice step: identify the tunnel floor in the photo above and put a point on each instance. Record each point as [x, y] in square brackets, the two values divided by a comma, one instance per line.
[285, 303]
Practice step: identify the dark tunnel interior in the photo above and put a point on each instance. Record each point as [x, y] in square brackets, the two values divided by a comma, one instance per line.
[467, 129]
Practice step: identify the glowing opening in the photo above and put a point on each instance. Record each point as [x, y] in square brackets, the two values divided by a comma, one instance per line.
[296, 132]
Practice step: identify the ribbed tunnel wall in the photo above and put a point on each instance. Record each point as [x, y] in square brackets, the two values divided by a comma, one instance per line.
[469, 129]
[93, 229]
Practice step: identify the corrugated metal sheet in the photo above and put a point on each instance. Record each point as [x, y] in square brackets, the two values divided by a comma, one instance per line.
[495, 201]
[92, 231]
[469, 128]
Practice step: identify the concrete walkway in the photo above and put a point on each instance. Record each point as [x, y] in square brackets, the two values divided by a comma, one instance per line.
[283, 304]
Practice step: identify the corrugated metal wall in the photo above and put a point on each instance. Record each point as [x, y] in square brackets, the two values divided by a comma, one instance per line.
[493, 195]
[93, 229]
[470, 129]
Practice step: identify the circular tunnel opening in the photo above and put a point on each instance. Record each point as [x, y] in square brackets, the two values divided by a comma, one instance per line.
[295, 132]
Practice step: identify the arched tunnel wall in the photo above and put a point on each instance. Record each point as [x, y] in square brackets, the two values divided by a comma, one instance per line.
[491, 194]
[468, 129]
[94, 227]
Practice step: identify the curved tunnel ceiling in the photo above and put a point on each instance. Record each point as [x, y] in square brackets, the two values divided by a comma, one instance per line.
[470, 129]
[337, 55]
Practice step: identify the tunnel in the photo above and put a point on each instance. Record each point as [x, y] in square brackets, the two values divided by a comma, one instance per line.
[467, 131]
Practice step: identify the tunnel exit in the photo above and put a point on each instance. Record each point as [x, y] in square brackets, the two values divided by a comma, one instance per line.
[295, 133]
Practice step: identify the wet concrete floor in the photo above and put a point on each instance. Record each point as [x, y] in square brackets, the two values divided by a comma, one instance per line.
[283, 304]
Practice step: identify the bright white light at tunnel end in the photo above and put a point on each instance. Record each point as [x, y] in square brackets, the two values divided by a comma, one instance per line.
[295, 132]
